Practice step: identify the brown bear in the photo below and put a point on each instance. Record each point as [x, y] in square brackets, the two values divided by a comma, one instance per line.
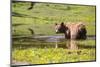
[72, 31]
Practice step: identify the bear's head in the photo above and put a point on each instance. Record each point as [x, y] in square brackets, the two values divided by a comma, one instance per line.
[60, 28]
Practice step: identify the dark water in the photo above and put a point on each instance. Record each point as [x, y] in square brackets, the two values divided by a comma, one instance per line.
[49, 42]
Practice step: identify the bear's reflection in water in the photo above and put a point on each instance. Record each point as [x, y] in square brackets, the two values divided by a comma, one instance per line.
[72, 45]
[43, 43]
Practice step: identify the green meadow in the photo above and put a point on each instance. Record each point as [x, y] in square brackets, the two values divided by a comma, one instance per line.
[43, 16]
[41, 20]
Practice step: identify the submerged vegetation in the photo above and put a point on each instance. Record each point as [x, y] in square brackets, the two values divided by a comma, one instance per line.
[40, 21]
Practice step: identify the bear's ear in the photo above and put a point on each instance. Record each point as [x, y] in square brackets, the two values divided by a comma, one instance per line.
[56, 24]
[62, 23]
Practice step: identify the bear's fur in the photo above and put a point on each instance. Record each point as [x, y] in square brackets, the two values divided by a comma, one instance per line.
[72, 31]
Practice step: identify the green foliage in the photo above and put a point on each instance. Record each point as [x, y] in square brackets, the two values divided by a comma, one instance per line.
[44, 16]
[38, 52]
[41, 20]
[51, 55]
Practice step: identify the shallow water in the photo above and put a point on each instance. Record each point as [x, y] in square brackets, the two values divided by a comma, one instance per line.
[51, 42]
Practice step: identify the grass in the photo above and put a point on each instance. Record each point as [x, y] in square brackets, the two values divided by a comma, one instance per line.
[43, 17]
[41, 20]
[42, 52]
[51, 55]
